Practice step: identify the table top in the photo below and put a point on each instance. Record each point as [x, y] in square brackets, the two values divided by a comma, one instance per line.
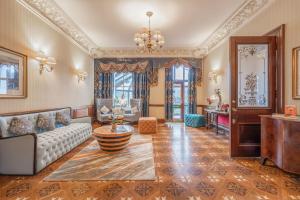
[282, 117]
[216, 111]
[121, 130]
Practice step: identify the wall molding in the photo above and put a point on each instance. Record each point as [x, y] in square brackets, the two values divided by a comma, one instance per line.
[53, 15]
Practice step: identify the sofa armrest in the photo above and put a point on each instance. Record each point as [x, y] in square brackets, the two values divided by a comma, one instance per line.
[18, 155]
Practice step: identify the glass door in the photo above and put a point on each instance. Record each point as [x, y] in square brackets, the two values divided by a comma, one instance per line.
[178, 104]
[180, 92]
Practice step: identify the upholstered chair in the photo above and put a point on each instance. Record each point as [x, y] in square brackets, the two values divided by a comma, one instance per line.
[134, 116]
[104, 117]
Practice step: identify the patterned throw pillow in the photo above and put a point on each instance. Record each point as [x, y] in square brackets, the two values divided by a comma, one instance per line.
[104, 110]
[134, 109]
[62, 118]
[20, 126]
[45, 123]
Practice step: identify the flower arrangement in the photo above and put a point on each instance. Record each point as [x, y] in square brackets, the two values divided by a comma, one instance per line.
[116, 120]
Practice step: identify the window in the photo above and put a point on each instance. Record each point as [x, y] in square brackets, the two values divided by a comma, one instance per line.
[8, 77]
[180, 91]
[122, 88]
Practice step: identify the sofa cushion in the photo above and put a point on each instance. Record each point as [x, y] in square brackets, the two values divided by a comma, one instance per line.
[52, 145]
[20, 126]
[5, 120]
[45, 123]
[63, 118]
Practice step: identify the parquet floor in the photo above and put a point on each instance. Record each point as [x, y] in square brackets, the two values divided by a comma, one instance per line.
[191, 164]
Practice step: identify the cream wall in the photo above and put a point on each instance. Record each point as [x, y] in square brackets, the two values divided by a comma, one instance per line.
[157, 96]
[280, 12]
[23, 32]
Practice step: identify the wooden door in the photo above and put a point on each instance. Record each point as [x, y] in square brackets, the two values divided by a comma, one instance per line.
[253, 65]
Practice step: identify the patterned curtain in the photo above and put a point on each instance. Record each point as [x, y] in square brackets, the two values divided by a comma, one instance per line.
[141, 90]
[103, 85]
[192, 91]
[169, 93]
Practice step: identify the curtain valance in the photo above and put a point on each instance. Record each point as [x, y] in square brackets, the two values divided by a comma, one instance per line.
[138, 67]
[149, 65]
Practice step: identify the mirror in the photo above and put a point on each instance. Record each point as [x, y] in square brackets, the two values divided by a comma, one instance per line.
[296, 73]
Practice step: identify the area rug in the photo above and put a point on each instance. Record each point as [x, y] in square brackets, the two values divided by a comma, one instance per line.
[135, 162]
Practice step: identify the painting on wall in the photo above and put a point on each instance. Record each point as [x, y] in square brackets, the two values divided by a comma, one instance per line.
[296, 73]
[13, 74]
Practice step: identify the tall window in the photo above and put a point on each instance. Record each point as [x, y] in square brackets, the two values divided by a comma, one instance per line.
[180, 91]
[8, 77]
[122, 88]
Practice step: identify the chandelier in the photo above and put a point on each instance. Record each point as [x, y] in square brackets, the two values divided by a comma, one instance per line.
[148, 40]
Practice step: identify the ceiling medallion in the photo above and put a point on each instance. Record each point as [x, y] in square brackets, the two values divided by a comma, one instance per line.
[148, 40]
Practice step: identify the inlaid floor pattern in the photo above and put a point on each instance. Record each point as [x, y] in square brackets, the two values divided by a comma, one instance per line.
[191, 164]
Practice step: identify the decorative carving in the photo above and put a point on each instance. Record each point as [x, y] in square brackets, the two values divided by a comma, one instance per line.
[247, 10]
[51, 11]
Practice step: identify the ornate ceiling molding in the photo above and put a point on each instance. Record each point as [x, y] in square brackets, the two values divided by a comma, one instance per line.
[53, 15]
[244, 14]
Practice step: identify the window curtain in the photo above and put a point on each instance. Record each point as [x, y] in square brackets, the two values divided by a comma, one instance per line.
[192, 91]
[169, 93]
[104, 85]
[141, 90]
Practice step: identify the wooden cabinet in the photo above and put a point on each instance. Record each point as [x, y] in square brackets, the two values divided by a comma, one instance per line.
[280, 142]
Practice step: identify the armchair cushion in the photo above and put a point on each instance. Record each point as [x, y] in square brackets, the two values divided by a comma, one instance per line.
[134, 109]
[104, 110]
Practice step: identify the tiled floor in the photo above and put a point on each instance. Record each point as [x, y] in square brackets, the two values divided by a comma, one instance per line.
[191, 164]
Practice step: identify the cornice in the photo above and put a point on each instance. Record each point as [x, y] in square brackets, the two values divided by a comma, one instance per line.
[243, 15]
[53, 15]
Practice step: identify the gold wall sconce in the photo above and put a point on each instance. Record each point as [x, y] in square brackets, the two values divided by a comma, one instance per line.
[82, 76]
[46, 62]
[212, 76]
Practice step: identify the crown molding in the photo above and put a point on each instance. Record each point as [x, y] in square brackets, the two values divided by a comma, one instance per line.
[244, 14]
[49, 12]
[53, 15]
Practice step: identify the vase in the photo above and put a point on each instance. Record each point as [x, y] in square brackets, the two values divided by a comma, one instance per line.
[113, 127]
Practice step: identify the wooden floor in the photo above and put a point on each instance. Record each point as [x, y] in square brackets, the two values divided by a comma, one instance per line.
[191, 164]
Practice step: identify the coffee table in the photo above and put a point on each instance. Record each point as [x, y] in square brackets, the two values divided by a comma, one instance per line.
[116, 140]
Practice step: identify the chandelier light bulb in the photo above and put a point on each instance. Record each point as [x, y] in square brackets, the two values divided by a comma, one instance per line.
[147, 40]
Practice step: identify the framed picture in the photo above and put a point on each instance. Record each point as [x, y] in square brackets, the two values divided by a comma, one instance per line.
[296, 73]
[13, 74]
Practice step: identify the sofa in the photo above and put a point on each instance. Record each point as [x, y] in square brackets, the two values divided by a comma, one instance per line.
[30, 153]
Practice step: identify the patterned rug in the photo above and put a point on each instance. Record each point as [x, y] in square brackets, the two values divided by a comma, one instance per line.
[136, 162]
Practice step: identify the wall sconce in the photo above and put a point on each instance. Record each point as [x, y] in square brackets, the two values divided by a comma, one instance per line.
[46, 63]
[212, 76]
[82, 76]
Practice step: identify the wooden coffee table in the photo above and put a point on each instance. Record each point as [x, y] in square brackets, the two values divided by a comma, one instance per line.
[113, 141]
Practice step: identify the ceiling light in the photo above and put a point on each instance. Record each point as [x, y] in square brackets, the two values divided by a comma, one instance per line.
[148, 40]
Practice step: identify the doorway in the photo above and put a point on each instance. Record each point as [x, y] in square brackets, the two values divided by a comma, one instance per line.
[180, 92]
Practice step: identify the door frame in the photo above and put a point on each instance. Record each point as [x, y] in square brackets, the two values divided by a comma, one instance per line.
[238, 149]
[279, 32]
